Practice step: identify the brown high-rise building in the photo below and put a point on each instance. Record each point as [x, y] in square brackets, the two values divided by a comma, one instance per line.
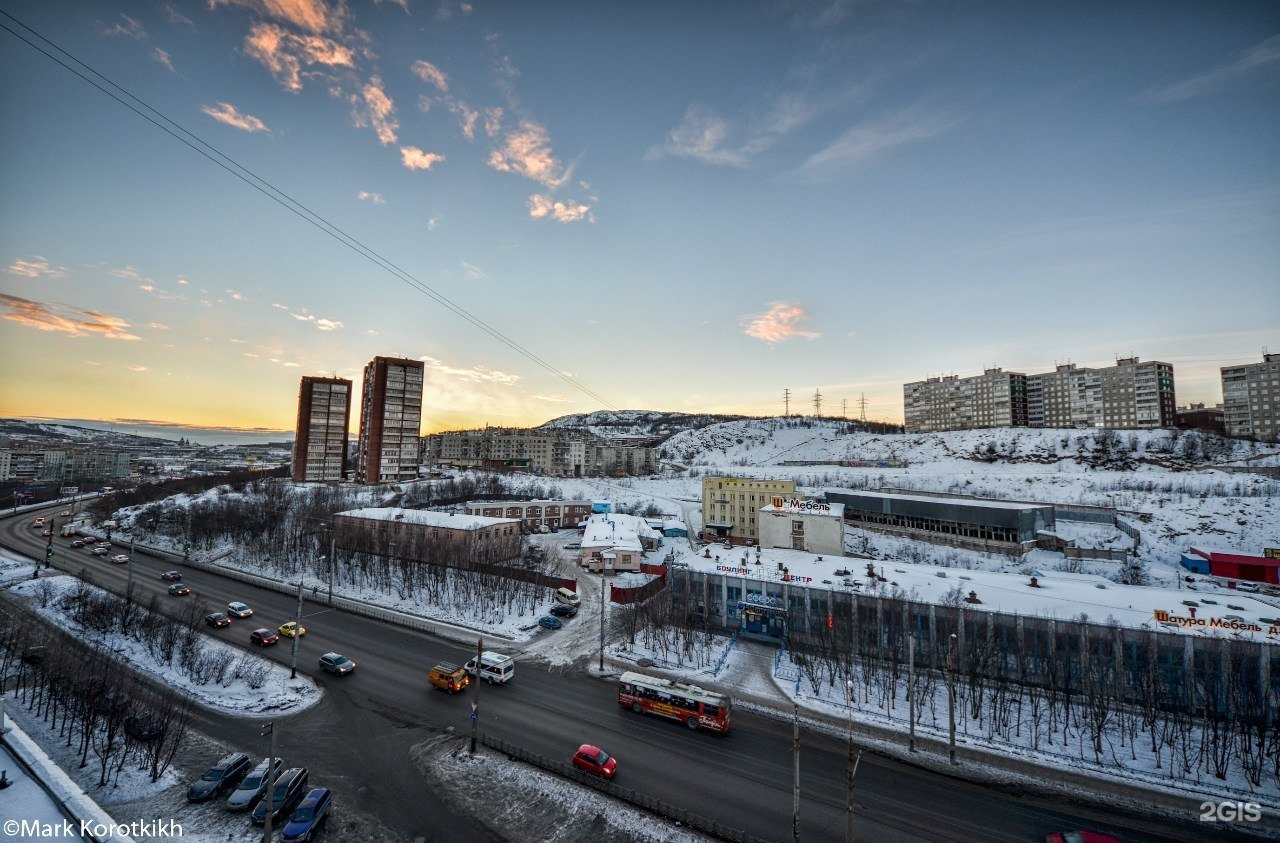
[320, 443]
[390, 420]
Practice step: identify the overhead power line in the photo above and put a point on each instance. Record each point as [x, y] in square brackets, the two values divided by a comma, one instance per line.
[199, 145]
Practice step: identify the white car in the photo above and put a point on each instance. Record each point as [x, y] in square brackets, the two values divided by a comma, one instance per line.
[120, 558]
[101, 551]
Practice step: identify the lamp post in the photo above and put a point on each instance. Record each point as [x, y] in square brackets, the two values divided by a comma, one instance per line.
[849, 767]
[951, 698]
[475, 694]
[603, 586]
[270, 729]
[297, 633]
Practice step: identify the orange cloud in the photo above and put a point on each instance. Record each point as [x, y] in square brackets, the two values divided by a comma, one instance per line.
[379, 111]
[37, 267]
[432, 75]
[541, 205]
[309, 15]
[416, 159]
[76, 323]
[225, 112]
[527, 152]
[286, 54]
[781, 322]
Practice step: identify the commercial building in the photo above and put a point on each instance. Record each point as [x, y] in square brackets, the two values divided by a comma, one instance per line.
[422, 535]
[320, 439]
[995, 398]
[1201, 417]
[1130, 394]
[1251, 399]
[812, 526]
[390, 420]
[614, 543]
[550, 452]
[1231, 564]
[535, 515]
[997, 526]
[731, 506]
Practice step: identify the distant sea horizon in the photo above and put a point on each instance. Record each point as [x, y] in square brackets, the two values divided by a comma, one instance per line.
[176, 431]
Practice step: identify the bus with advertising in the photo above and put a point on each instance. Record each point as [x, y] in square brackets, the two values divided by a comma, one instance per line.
[695, 707]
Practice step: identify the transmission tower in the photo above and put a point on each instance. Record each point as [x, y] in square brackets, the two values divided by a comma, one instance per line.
[786, 403]
[844, 408]
[817, 403]
[862, 406]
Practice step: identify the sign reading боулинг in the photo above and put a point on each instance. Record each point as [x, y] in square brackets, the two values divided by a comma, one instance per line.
[1225, 624]
[1271, 552]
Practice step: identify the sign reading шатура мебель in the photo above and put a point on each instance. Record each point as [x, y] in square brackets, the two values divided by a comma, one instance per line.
[1225, 624]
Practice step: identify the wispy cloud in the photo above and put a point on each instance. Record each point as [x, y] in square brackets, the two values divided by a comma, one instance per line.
[541, 206]
[475, 374]
[467, 117]
[130, 28]
[703, 136]
[320, 323]
[60, 319]
[372, 107]
[526, 151]
[781, 322]
[175, 17]
[873, 138]
[555, 399]
[433, 223]
[130, 273]
[138, 369]
[309, 15]
[473, 272]
[1258, 56]
[432, 75]
[367, 196]
[162, 56]
[286, 54]
[37, 267]
[416, 159]
[225, 112]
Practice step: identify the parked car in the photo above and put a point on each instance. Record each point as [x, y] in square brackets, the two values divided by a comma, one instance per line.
[239, 610]
[77, 542]
[449, 677]
[171, 576]
[143, 727]
[291, 786]
[563, 610]
[252, 787]
[568, 597]
[220, 779]
[290, 629]
[179, 590]
[595, 761]
[309, 817]
[1251, 587]
[573, 545]
[337, 663]
[120, 559]
[549, 622]
[263, 637]
[217, 620]
[101, 551]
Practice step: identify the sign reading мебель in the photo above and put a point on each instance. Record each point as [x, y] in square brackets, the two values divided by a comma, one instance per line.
[800, 506]
[1226, 624]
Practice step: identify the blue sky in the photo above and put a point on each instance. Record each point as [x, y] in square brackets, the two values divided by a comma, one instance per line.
[687, 208]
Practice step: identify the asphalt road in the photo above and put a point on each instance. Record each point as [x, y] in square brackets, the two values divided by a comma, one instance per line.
[357, 739]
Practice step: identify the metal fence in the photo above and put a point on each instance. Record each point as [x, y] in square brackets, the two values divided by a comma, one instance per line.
[684, 817]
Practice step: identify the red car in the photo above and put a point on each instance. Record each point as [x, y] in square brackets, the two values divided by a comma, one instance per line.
[263, 637]
[1081, 836]
[595, 760]
[171, 576]
[77, 543]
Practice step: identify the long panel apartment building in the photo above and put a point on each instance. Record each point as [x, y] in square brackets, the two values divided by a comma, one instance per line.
[1131, 394]
[390, 420]
[551, 452]
[320, 439]
[1251, 399]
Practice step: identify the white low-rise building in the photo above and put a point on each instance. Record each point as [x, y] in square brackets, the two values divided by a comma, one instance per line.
[613, 542]
[812, 526]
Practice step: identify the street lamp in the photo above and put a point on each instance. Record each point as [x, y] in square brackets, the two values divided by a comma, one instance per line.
[951, 698]
[270, 729]
[297, 633]
[848, 807]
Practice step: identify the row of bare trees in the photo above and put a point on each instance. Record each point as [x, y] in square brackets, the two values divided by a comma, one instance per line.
[104, 713]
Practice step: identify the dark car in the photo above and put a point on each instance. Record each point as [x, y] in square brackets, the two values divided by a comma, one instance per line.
[179, 590]
[291, 786]
[221, 778]
[563, 610]
[251, 787]
[549, 622]
[143, 727]
[171, 576]
[263, 637]
[217, 620]
[337, 663]
[309, 817]
[595, 760]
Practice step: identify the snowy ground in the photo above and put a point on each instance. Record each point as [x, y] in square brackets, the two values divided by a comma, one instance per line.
[278, 694]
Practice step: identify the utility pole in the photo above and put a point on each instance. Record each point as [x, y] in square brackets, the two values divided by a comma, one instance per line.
[850, 767]
[786, 403]
[951, 698]
[297, 633]
[270, 729]
[475, 694]
[603, 584]
[817, 403]
[795, 789]
[48, 548]
[911, 694]
[333, 564]
[862, 405]
[844, 408]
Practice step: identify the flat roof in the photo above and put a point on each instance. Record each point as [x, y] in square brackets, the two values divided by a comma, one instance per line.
[980, 502]
[428, 518]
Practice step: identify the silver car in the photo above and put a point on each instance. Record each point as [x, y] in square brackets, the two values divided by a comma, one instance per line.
[252, 787]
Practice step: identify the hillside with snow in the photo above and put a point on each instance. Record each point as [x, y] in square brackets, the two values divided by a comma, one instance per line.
[655, 423]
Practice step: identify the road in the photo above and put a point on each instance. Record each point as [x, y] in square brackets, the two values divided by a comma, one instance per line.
[371, 718]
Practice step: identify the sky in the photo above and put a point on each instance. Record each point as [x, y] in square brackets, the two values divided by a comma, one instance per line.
[578, 206]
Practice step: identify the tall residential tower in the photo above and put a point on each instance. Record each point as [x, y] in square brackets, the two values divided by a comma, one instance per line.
[320, 441]
[390, 420]
[1251, 399]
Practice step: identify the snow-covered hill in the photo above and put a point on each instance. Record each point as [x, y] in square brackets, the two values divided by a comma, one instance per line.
[656, 423]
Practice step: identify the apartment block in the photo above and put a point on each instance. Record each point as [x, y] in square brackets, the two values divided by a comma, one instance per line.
[1131, 394]
[390, 420]
[320, 440]
[1251, 399]
[731, 506]
[550, 452]
[995, 398]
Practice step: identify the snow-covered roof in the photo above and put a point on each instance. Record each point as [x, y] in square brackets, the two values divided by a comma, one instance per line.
[615, 530]
[428, 518]
[943, 500]
[832, 510]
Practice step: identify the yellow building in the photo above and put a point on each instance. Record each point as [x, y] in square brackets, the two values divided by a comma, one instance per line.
[731, 506]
